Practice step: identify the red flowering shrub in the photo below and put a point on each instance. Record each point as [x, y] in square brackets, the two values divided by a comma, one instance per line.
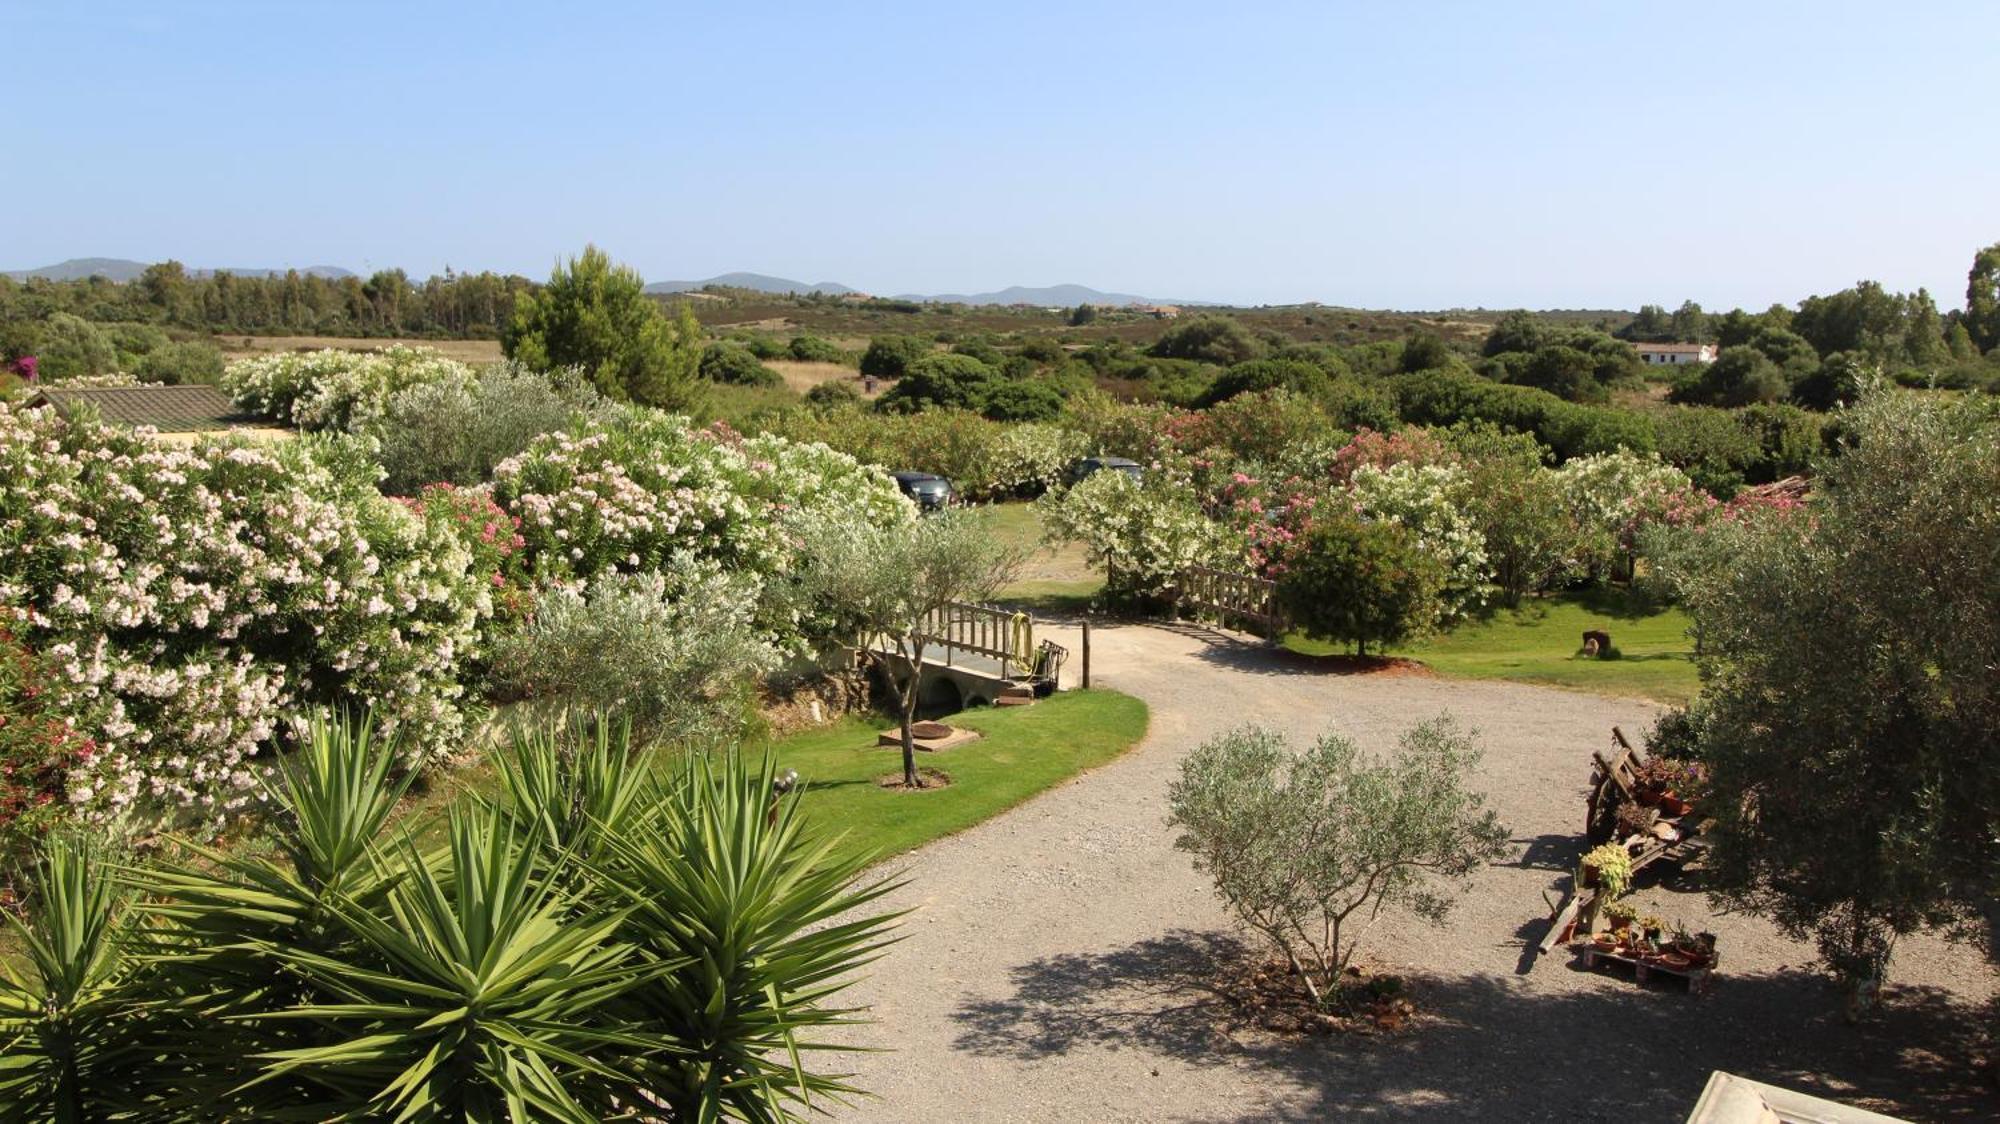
[37, 748]
[1386, 450]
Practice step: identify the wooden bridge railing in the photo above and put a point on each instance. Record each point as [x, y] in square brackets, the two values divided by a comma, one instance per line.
[1238, 600]
[982, 630]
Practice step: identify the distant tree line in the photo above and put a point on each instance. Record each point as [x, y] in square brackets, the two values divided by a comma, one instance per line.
[389, 303]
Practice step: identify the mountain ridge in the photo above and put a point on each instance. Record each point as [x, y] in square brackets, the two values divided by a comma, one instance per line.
[1059, 295]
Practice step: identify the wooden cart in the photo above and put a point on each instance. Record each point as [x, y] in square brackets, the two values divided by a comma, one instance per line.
[1613, 785]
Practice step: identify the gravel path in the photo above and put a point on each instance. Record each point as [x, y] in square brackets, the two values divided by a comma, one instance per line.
[1051, 967]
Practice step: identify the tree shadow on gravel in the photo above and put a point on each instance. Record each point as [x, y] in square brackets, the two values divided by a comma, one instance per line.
[1237, 652]
[1564, 1046]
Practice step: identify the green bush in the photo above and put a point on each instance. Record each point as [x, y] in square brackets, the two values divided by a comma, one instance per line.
[1266, 374]
[888, 357]
[813, 349]
[834, 394]
[951, 381]
[70, 347]
[1308, 849]
[678, 664]
[1022, 400]
[1362, 583]
[181, 364]
[458, 429]
[732, 363]
[1211, 339]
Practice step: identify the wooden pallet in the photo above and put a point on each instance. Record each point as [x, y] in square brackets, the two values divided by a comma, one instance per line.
[1698, 980]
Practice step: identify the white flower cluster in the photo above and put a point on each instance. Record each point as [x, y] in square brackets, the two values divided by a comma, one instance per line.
[1428, 499]
[648, 492]
[1031, 458]
[197, 593]
[328, 389]
[1142, 535]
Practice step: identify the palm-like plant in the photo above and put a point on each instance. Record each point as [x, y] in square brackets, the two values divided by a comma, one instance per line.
[724, 882]
[576, 786]
[482, 993]
[600, 942]
[66, 1040]
[215, 981]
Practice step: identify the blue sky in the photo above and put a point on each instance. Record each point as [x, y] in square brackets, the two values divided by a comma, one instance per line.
[1412, 155]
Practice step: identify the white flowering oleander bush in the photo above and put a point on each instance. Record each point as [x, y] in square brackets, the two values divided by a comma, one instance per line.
[1615, 497]
[648, 492]
[1429, 500]
[1029, 459]
[329, 389]
[1142, 535]
[192, 595]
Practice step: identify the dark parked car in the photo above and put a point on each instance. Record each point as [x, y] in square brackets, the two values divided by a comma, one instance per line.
[1088, 465]
[931, 492]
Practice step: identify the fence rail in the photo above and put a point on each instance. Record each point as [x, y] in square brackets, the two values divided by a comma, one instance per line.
[1241, 600]
[982, 630]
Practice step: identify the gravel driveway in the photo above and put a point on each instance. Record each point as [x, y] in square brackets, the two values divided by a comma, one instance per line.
[1052, 966]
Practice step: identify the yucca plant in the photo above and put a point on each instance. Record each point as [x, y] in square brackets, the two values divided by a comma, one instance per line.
[578, 784]
[723, 882]
[482, 992]
[221, 915]
[66, 1019]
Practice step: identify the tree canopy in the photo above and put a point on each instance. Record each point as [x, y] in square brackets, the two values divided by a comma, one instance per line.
[596, 315]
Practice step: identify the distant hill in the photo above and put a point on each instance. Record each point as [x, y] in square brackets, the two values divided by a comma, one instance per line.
[123, 269]
[760, 282]
[1051, 296]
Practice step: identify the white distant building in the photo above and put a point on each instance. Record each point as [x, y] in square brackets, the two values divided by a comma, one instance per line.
[1674, 354]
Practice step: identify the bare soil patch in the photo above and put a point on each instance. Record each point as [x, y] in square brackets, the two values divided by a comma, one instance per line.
[933, 780]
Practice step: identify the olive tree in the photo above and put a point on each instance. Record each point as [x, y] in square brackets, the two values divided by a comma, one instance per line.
[1309, 849]
[1850, 715]
[884, 583]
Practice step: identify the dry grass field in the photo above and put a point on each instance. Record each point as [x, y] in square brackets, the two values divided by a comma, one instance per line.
[466, 351]
[801, 376]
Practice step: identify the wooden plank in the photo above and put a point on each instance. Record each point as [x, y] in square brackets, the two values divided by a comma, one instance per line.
[1564, 916]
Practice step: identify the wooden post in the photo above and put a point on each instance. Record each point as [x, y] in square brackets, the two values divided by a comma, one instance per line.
[1086, 654]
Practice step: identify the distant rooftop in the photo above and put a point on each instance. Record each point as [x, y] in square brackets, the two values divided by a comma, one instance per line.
[169, 409]
[1674, 348]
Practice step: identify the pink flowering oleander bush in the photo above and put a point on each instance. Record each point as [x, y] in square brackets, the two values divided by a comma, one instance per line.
[193, 595]
[329, 389]
[649, 492]
[39, 747]
[490, 535]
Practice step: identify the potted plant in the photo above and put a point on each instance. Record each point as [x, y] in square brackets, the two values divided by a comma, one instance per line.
[1620, 915]
[1670, 783]
[1608, 868]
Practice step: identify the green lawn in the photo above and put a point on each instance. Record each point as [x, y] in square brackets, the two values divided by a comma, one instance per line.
[1539, 642]
[1055, 579]
[1024, 750]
